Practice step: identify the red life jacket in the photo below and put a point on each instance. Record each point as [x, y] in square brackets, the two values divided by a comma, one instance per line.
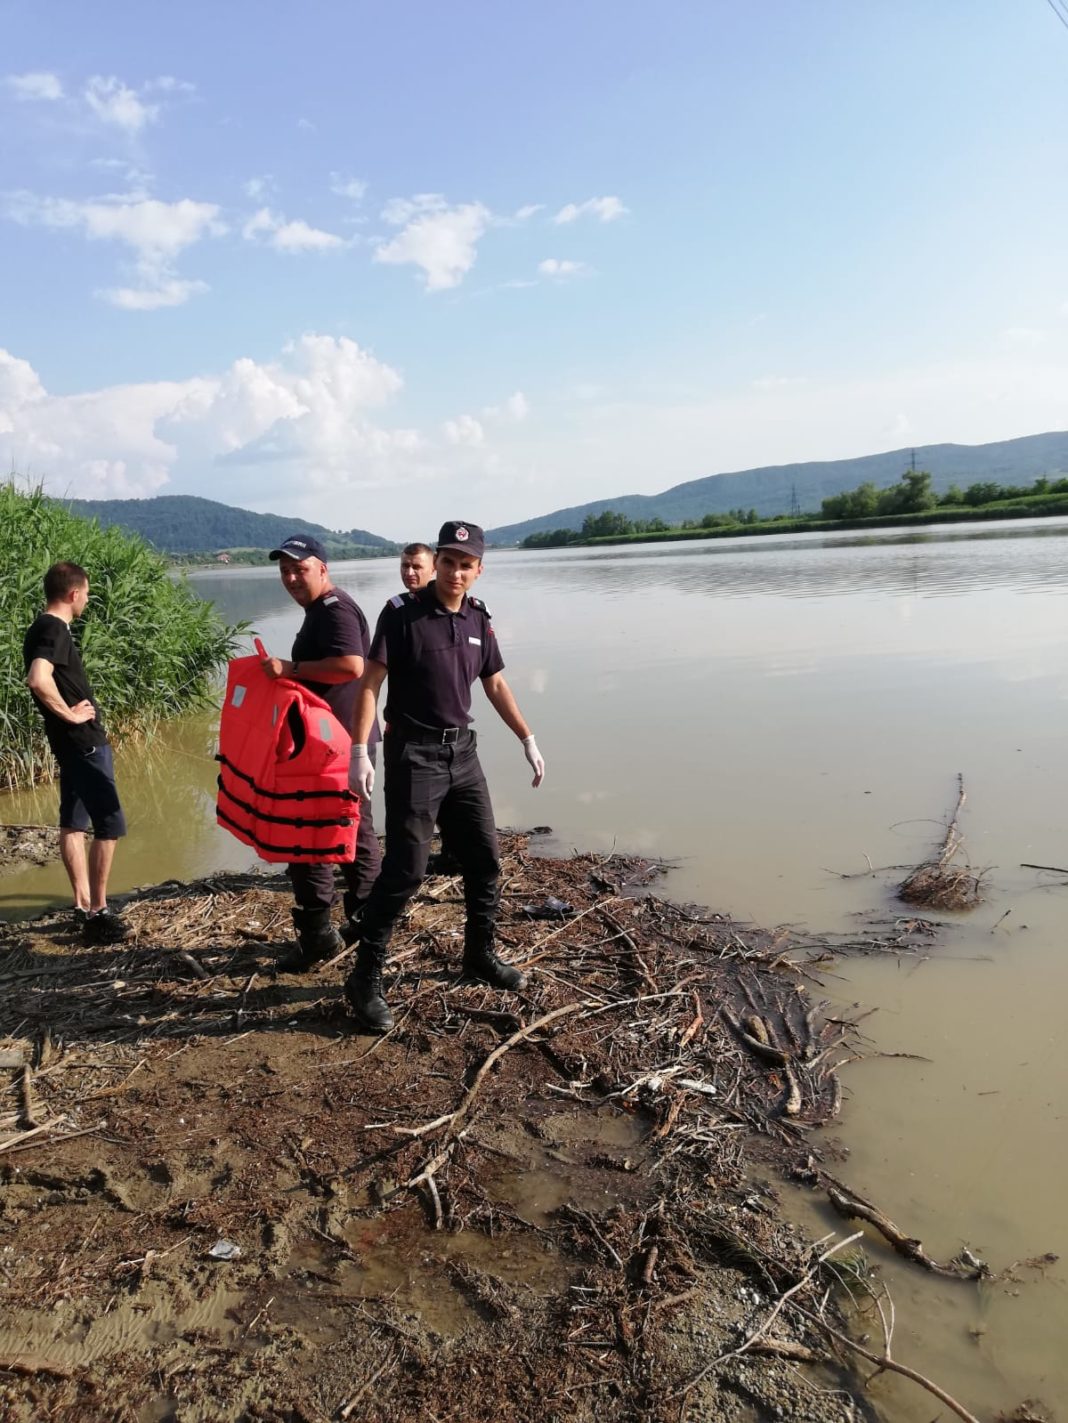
[284, 782]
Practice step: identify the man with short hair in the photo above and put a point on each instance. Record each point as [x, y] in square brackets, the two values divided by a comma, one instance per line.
[416, 570]
[416, 566]
[433, 645]
[87, 792]
[328, 658]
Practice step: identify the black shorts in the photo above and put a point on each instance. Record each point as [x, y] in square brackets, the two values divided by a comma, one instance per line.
[88, 794]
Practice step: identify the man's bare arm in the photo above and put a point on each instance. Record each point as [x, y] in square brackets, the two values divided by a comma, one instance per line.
[505, 705]
[322, 669]
[42, 684]
[502, 700]
[363, 718]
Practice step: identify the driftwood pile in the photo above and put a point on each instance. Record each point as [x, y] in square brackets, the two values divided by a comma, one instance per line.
[938, 883]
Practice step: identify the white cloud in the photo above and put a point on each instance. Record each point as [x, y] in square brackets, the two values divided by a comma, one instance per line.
[515, 408]
[527, 211]
[305, 416]
[168, 84]
[20, 387]
[399, 211]
[298, 236]
[605, 209]
[164, 291]
[464, 430]
[256, 188]
[37, 85]
[114, 103]
[288, 236]
[138, 180]
[155, 231]
[561, 267]
[440, 240]
[351, 188]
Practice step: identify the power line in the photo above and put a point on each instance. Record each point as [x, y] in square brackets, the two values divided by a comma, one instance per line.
[1062, 14]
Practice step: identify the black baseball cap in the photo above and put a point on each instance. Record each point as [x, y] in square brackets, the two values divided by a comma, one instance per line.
[300, 547]
[462, 536]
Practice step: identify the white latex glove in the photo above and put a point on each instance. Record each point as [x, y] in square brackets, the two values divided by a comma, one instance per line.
[534, 757]
[361, 772]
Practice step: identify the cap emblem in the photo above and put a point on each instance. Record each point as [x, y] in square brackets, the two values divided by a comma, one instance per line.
[462, 534]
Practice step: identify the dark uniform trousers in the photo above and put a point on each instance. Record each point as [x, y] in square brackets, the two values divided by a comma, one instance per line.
[313, 885]
[430, 780]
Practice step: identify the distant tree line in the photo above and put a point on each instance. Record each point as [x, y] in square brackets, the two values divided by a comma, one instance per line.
[609, 524]
[913, 494]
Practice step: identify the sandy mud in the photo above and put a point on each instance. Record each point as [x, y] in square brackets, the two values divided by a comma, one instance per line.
[221, 1202]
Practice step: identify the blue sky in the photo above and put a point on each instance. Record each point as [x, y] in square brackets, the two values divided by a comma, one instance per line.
[381, 265]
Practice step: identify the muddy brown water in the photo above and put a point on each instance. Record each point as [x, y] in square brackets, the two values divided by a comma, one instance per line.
[773, 715]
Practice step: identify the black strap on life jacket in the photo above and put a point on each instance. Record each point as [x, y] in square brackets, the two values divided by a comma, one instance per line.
[296, 820]
[282, 795]
[293, 851]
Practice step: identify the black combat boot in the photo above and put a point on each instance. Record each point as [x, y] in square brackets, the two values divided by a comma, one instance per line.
[352, 904]
[481, 965]
[317, 939]
[363, 989]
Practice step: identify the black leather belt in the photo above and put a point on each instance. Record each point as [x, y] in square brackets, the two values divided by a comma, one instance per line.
[437, 736]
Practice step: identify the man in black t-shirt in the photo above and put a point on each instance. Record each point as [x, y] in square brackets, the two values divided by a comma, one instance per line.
[328, 658]
[87, 792]
[433, 645]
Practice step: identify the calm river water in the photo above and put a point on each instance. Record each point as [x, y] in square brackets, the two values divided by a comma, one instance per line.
[768, 713]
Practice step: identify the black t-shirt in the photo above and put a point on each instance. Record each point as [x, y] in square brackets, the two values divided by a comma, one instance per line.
[49, 637]
[333, 626]
[433, 657]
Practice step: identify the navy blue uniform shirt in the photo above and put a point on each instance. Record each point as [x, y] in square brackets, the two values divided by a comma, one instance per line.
[333, 626]
[433, 657]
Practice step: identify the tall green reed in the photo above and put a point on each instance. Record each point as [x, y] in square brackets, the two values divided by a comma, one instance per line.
[151, 647]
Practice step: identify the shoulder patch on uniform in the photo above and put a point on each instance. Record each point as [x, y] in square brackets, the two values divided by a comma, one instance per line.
[398, 600]
[480, 605]
[331, 599]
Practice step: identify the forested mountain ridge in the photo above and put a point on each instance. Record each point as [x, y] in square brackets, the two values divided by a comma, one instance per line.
[772, 489]
[184, 523]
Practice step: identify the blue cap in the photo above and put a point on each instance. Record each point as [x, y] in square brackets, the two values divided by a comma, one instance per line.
[300, 547]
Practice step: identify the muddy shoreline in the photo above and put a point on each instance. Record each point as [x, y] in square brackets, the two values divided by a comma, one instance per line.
[22, 845]
[554, 1205]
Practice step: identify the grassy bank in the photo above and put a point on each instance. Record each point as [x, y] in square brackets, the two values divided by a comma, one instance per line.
[1031, 507]
[151, 647]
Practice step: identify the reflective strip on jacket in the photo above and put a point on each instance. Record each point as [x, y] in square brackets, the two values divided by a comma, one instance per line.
[284, 777]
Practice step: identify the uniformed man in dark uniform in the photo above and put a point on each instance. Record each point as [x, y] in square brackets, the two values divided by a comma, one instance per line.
[328, 658]
[433, 644]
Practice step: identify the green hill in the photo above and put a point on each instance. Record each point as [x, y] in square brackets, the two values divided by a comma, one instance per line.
[772, 489]
[185, 524]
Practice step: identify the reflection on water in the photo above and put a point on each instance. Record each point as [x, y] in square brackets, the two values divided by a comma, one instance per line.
[815, 567]
[773, 714]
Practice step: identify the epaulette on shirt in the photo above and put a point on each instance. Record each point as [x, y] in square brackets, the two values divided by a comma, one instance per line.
[399, 599]
[480, 605]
